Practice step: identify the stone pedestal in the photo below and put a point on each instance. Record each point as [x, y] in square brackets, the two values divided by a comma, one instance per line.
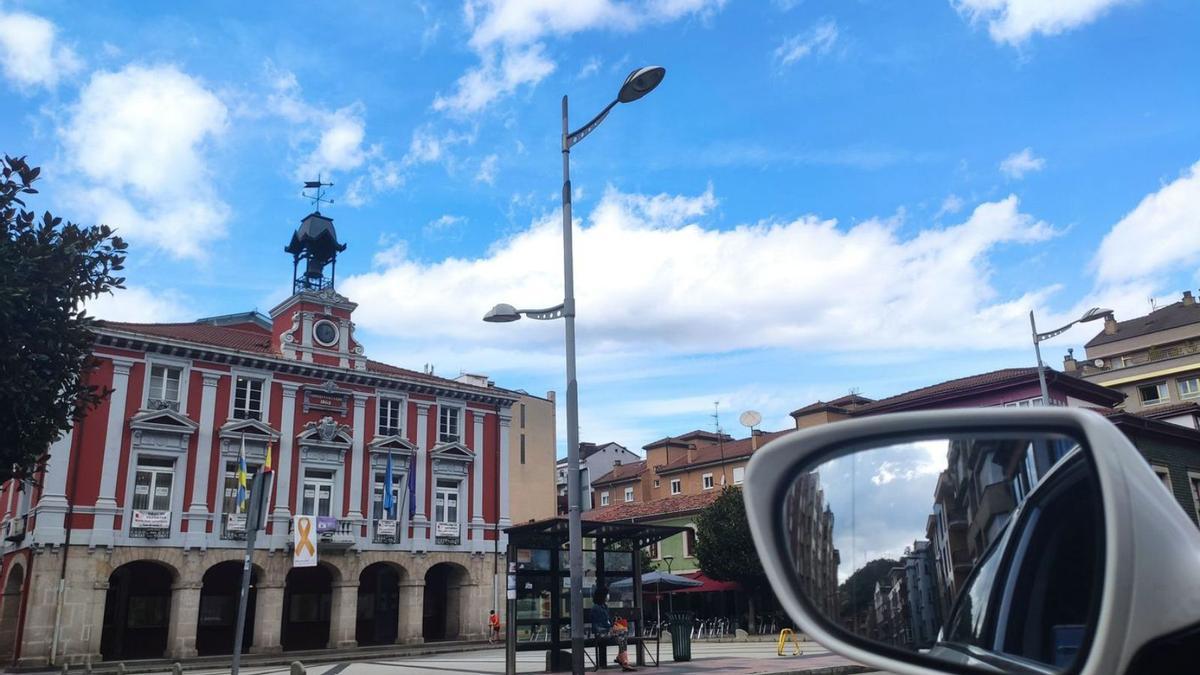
[412, 608]
[268, 618]
[343, 614]
[185, 612]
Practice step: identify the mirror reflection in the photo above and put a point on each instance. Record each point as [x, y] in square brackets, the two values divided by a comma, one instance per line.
[984, 550]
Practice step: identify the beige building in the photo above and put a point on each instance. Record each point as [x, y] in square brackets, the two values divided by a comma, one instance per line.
[1153, 359]
[532, 439]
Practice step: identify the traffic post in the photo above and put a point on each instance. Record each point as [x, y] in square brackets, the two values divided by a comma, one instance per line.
[260, 495]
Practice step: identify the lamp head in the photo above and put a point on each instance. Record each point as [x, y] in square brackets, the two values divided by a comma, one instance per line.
[641, 82]
[1095, 313]
[502, 313]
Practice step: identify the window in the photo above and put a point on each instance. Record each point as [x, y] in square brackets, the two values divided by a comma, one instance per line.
[689, 541]
[390, 417]
[653, 550]
[449, 424]
[152, 484]
[1194, 485]
[248, 399]
[628, 494]
[229, 497]
[445, 505]
[603, 499]
[522, 415]
[708, 481]
[1164, 474]
[657, 483]
[1024, 403]
[739, 474]
[522, 448]
[676, 486]
[1154, 393]
[398, 486]
[1189, 387]
[317, 499]
[164, 388]
[1127, 361]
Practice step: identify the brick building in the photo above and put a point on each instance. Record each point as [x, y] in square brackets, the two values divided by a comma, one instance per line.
[130, 543]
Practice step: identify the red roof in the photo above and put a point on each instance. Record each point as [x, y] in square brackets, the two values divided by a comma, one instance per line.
[665, 507]
[987, 382]
[621, 473]
[710, 585]
[729, 450]
[1175, 409]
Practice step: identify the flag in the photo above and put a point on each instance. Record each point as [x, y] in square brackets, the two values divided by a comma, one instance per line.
[389, 502]
[267, 462]
[412, 486]
[243, 492]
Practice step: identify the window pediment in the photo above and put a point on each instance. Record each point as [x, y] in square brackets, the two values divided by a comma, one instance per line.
[162, 420]
[455, 452]
[252, 429]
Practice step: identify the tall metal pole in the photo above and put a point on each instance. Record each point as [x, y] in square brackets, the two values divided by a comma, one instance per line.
[574, 512]
[1041, 368]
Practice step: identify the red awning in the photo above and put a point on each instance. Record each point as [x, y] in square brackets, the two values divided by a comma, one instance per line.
[709, 585]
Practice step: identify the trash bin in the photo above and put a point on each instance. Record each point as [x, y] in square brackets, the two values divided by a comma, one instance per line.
[681, 635]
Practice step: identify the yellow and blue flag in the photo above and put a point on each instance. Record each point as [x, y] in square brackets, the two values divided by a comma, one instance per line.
[243, 492]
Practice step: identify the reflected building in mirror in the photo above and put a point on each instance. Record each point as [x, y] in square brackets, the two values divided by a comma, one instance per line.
[904, 609]
[809, 523]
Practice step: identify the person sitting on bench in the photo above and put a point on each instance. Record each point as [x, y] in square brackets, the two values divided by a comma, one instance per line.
[603, 625]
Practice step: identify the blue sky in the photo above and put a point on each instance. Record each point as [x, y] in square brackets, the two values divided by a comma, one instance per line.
[820, 196]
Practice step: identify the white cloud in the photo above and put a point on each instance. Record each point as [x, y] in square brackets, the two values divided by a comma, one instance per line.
[1159, 234]
[141, 305]
[487, 170]
[703, 299]
[1015, 21]
[393, 252]
[950, 205]
[1018, 164]
[443, 226]
[508, 36]
[590, 67]
[30, 54]
[819, 40]
[139, 138]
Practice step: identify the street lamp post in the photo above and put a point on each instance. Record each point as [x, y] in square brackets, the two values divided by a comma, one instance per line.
[639, 83]
[1090, 315]
[670, 597]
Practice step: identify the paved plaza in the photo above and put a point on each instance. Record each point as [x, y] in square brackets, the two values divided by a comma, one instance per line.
[744, 658]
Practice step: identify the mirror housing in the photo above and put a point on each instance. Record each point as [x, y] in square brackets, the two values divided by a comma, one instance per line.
[1136, 607]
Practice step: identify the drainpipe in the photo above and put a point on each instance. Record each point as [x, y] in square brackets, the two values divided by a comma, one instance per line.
[66, 546]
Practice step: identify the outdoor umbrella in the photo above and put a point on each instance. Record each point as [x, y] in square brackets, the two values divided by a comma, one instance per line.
[659, 583]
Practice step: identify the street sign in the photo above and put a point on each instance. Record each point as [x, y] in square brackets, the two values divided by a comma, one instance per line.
[304, 541]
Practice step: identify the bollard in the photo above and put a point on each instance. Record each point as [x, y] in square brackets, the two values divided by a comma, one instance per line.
[121, 668]
[87, 665]
[741, 635]
[298, 668]
[64, 669]
[176, 668]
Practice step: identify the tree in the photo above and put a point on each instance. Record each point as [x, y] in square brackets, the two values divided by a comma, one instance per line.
[48, 269]
[857, 592]
[724, 547]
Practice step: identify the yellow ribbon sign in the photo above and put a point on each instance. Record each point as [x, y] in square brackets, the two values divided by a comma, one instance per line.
[304, 553]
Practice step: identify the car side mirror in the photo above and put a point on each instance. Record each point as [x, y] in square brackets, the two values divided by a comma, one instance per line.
[977, 541]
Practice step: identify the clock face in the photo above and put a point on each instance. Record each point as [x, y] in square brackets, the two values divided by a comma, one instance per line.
[325, 332]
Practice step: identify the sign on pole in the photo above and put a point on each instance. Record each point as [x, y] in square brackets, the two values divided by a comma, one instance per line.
[304, 541]
[252, 522]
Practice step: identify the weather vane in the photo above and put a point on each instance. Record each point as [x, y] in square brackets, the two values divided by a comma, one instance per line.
[318, 198]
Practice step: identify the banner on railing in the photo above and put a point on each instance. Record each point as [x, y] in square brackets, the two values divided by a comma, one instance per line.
[385, 528]
[235, 522]
[326, 524]
[151, 520]
[445, 530]
[304, 541]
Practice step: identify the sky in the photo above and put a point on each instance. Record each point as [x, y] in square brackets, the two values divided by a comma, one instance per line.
[820, 197]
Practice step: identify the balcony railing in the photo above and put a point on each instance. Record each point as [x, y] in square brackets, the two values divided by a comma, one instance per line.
[334, 532]
[149, 524]
[234, 526]
[447, 534]
[162, 404]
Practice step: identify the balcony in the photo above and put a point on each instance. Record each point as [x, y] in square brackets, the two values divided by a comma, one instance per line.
[147, 524]
[447, 534]
[234, 526]
[162, 404]
[334, 533]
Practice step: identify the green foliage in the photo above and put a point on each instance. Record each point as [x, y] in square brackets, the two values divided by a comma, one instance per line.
[48, 268]
[724, 547]
[857, 592]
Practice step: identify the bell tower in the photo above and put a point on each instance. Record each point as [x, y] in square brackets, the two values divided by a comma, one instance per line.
[314, 323]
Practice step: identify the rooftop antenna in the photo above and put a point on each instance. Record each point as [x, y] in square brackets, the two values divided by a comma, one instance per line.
[319, 197]
[720, 437]
[1153, 305]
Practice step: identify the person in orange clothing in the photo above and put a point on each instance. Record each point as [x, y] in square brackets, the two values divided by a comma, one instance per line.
[494, 624]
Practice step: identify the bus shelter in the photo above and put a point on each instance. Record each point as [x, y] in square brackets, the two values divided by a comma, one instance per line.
[538, 585]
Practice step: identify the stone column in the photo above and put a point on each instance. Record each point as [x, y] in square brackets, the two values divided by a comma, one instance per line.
[185, 612]
[477, 482]
[268, 618]
[281, 514]
[51, 508]
[343, 615]
[198, 513]
[356, 459]
[421, 520]
[106, 501]
[505, 432]
[412, 612]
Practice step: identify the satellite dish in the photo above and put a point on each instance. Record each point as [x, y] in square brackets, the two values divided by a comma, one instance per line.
[1099, 363]
[750, 418]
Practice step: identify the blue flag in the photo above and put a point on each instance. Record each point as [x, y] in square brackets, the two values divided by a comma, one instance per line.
[243, 477]
[389, 501]
[412, 486]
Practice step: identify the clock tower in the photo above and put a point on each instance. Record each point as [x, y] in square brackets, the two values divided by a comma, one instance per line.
[314, 324]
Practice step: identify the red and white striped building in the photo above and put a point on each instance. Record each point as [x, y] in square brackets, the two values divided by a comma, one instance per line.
[130, 546]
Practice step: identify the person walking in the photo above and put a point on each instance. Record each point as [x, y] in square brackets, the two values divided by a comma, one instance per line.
[604, 626]
[493, 627]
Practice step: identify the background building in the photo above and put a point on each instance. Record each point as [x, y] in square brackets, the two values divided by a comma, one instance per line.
[595, 459]
[137, 506]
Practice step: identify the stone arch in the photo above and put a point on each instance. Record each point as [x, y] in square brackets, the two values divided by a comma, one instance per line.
[307, 606]
[137, 610]
[378, 609]
[445, 610]
[220, 591]
[10, 610]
